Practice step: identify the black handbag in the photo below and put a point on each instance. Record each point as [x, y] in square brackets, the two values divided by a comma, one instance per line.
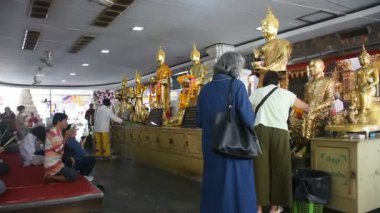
[231, 137]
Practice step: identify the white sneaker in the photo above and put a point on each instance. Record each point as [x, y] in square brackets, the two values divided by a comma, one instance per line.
[89, 178]
[279, 210]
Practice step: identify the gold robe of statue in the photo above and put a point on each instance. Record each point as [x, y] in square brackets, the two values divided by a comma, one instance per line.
[153, 94]
[123, 97]
[319, 94]
[183, 99]
[275, 52]
[198, 71]
[140, 112]
[367, 79]
[163, 75]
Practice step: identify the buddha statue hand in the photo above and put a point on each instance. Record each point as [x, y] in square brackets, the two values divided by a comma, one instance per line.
[365, 88]
[258, 66]
[256, 53]
[164, 81]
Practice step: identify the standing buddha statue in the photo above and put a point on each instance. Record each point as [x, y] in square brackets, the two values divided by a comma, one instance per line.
[367, 78]
[123, 96]
[140, 112]
[199, 71]
[153, 93]
[163, 75]
[275, 52]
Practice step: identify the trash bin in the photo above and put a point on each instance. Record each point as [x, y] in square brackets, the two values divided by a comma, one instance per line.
[311, 190]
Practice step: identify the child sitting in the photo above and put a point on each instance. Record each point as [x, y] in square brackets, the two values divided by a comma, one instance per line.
[31, 145]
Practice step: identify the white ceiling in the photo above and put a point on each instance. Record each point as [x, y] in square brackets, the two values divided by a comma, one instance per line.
[174, 24]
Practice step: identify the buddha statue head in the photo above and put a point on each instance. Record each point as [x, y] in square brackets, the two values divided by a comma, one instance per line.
[160, 56]
[365, 57]
[124, 81]
[269, 25]
[137, 77]
[195, 55]
[316, 67]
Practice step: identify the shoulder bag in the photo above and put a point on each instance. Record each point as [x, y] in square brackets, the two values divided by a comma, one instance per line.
[231, 137]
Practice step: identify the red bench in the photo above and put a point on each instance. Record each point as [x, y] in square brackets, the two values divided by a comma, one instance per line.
[26, 190]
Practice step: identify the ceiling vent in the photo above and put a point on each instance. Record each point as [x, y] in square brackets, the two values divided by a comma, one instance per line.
[39, 8]
[30, 40]
[316, 17]
[82, 42]
[111, 12]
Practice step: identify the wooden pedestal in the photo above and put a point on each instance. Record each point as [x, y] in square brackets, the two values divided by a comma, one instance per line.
[354, 166]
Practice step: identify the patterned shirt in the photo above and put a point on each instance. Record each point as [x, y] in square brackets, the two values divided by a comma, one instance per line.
[53, 151]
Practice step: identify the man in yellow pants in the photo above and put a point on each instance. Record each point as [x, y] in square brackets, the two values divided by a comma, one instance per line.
[103, 117]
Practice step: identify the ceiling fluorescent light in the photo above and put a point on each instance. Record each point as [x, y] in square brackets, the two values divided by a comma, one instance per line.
[258, 28]
[105, 51]
[72, 73]
[137, 28]
[63, 81]
[85, 65]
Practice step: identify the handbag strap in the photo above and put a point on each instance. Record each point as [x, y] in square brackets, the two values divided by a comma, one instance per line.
[230, 94]
[264, 99]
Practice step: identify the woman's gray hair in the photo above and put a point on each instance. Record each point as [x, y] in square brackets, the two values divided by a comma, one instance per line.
[229, 63]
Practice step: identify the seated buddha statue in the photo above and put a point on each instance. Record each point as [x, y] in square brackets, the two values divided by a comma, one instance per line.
[275, 52]
[198, 71]
[367, 78]
[183, 99]
[319, 94]
[163, 76]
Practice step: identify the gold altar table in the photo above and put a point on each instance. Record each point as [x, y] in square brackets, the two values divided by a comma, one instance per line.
[177, 150]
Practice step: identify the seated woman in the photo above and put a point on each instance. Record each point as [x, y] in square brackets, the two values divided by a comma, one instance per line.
[83, 164]
[54, 150]
[30, 147]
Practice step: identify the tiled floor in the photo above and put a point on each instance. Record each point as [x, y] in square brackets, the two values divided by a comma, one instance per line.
[134, 188]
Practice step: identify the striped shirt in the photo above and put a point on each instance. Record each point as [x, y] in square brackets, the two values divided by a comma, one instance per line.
[53, 151]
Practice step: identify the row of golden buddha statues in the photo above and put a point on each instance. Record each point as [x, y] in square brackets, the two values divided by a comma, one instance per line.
[273, 55]
[159, 97]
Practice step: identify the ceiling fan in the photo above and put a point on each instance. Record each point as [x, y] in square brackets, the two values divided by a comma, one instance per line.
[36, 81]
[106, 3]
[48, 59]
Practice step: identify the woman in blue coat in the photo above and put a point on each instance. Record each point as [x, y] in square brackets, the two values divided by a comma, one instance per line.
[228, 183]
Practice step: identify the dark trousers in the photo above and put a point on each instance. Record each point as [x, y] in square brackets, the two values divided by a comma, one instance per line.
[85, 165]
[4, 168]
[273, 167]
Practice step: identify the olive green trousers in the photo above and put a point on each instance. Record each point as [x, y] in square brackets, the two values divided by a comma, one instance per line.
[272, 168]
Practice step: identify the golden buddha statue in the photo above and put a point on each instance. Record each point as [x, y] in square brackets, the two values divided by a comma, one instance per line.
[319, 94]
[140, 113]
[153, 93]
[163, 75]
[199, 71]
[188, 90]
[363, 115]
[275, 52]
[123, 96]
[367, 78]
